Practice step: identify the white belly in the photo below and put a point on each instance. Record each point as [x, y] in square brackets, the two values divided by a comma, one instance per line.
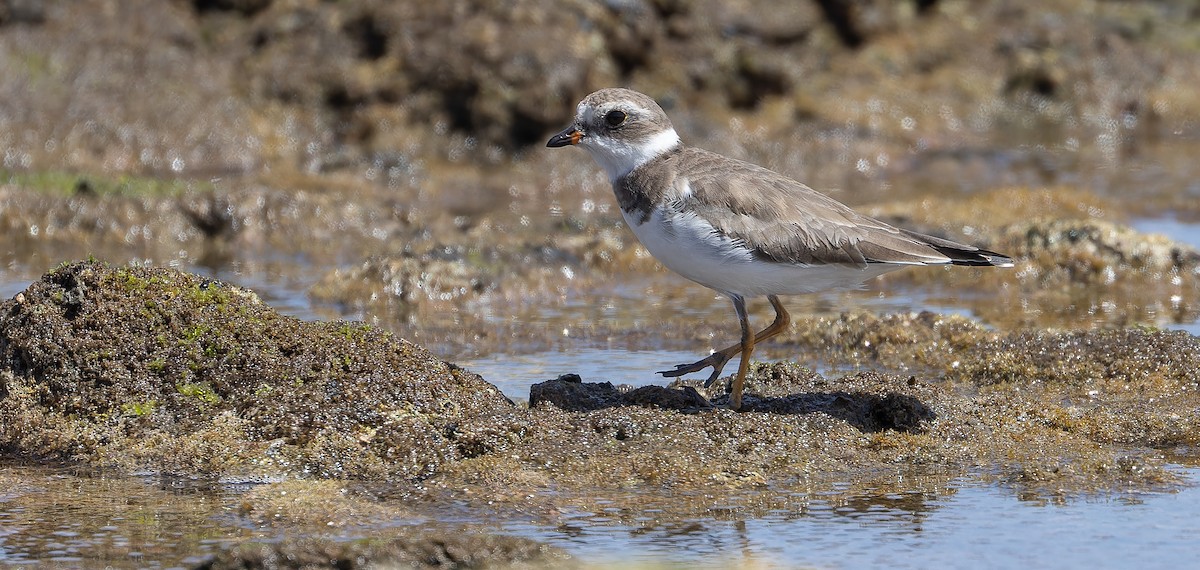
[689, 246]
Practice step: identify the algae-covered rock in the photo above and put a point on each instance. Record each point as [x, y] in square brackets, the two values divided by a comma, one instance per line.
[1096, 251]
[153, 368]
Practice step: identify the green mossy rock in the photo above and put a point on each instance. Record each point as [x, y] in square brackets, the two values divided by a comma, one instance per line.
[155, 369]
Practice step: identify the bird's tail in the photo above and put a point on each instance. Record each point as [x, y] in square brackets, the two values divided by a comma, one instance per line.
[961, 254]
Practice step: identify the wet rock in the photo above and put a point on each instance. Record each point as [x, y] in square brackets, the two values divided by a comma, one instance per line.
[107, 123]
[501, 77]
[409, 280]
[296, 85]
[869, 412]
[154, 369]
[1074, 267]
[1096, 251]
[493, 272]
[902, 341]
[312, 94]
[416, 550]
[21, 12]
[508, 69]
[569, 392]
[244, 7]
[1112, 359]
[738, 54]
[684, 399]
[1084, 402]
[803, 424]
[1128, 387]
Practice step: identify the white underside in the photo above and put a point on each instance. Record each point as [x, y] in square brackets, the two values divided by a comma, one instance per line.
[689, 246]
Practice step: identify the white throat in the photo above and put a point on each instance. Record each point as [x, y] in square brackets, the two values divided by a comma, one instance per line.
[618, 157]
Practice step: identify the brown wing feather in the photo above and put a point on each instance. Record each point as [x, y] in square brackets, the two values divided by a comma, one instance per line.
[790, 222]
[785, 220]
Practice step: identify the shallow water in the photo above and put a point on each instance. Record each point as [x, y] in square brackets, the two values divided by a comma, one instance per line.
[1174, 228]
[963, 524]
[63, 520]
[515, 373]
[52, 518]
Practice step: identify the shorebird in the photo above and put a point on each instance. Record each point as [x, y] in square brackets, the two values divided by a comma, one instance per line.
[738, 228]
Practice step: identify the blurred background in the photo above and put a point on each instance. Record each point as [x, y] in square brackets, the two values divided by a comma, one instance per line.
[385, 161]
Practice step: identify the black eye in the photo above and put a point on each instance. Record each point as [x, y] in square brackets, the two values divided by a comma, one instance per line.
[614, 118]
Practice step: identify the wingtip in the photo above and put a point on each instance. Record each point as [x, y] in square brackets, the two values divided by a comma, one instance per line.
[996, 259]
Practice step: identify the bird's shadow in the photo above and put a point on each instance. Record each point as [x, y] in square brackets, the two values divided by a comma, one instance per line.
[869, 412]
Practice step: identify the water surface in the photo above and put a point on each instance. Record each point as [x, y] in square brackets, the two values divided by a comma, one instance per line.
[63, 520]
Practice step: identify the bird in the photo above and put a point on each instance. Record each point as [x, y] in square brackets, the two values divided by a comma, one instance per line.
[738, 228]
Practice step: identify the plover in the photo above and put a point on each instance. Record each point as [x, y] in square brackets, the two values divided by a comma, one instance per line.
[736, 227]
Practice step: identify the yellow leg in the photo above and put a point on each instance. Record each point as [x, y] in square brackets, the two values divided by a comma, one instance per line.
[747, 348]
[718, 359]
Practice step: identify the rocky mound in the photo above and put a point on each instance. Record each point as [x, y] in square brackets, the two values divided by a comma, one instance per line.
[1094, 251]
[152, 368]
[143, 368]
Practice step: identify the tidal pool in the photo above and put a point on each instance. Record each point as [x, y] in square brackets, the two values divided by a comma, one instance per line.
[514, 374]
[53, 518]
[965, 524]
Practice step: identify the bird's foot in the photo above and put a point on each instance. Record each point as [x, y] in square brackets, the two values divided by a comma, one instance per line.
[716, 360]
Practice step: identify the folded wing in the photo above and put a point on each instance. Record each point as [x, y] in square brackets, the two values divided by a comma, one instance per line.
[789, 222]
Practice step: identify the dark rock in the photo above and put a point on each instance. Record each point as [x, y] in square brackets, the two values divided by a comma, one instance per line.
[684, 399]
[22, 12]
[503, 76]
[786, 388]
[245, 7]
[779, 388]
[569, 392]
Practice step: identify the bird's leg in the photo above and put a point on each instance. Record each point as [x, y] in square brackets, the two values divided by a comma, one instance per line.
[735, 392]
[781, 322]
[718, 359]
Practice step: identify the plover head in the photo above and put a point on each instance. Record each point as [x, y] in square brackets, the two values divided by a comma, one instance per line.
[621, 129]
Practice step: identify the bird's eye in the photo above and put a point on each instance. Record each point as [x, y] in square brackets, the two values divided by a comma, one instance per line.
[614, 118]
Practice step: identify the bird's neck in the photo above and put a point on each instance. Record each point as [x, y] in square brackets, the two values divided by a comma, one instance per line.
[619, 158]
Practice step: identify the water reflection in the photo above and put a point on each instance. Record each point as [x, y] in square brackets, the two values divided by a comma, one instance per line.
[51, 515]
[945, 527]
[515, 373]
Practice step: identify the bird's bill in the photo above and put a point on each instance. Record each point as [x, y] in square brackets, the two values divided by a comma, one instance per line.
[569, 135]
